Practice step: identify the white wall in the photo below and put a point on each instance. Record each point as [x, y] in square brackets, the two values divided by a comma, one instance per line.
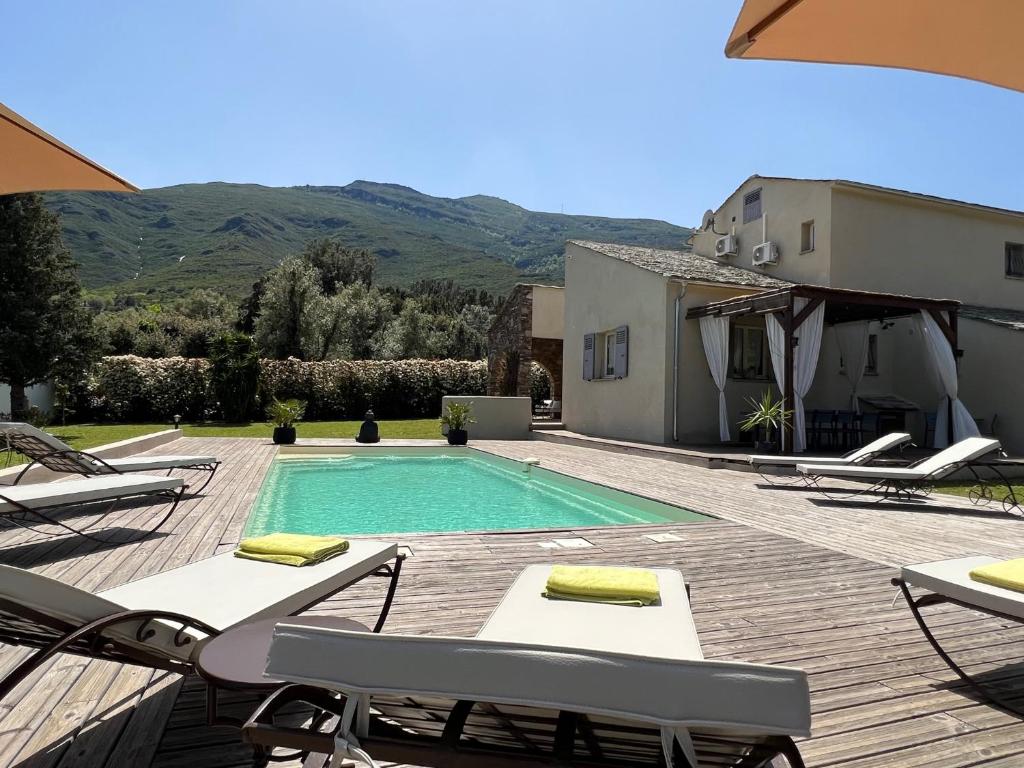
[40, 395]
[602, 293]
[787, 204]
[548, 320]
[495, 418]
[901, 245]
[992, 379]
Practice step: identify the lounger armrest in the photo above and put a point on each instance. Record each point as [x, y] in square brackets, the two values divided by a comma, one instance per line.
[747, 698]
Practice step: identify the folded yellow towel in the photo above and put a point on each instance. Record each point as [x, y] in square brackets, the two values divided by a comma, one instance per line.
[291, 548]
[595, 584]
[1008, 574]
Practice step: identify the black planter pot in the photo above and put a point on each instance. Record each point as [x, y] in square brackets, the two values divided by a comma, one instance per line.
[458, 437]
[284, 435]
[766, 446]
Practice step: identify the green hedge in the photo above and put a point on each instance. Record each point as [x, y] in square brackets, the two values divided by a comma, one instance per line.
[129, 388]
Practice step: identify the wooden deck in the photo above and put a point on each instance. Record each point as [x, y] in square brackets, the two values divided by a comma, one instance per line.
[779, 578]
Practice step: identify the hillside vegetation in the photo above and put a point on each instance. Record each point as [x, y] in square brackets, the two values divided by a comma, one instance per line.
[224, 236]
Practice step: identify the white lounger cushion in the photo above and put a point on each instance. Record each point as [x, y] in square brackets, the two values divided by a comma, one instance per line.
[664, 631]
[666, 692]
[221, 591]
[951, 578]
[143, 463]
[881, 445]
[45, 495]
[966, 450]
[225, 590]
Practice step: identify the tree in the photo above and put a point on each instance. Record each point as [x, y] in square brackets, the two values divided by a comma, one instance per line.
[292, 312]
[365, 315]
[339, 266]
[45, 328]
[409, 335]
[234, 375]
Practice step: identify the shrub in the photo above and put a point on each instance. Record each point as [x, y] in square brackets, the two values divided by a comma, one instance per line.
[129, 388]
[234, 375]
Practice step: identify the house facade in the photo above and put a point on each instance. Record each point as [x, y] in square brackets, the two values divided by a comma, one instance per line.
[639, 369]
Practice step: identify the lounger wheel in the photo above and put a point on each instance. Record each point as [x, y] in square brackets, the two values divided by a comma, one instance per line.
[980, 495]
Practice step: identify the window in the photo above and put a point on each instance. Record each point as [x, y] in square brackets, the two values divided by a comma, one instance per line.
[752, 206]
[748, 353]
[871, 364]
[608, 370]
[807, 236]
[1014, 260]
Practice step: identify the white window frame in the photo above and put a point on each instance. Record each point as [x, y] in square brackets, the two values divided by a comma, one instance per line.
[608, 352]
[754, 196]
[807, 226]
[872, 356]
[1013, 275]
[737, 340]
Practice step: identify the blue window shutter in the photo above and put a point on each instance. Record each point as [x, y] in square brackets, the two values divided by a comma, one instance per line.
[621, 351]
[588, 356]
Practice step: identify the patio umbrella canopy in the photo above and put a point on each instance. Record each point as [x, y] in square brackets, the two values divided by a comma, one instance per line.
[32, 160]
[978, 40]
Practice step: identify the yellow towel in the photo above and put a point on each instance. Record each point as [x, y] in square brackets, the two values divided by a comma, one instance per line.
[291, 548]
[1008, 574]
[593, 584]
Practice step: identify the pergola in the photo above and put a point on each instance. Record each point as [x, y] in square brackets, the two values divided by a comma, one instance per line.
[840, 306]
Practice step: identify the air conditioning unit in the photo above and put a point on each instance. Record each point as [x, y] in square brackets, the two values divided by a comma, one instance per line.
[766, 253]
[726, 246]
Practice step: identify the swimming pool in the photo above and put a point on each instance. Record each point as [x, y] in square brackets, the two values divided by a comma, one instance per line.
[370, 492]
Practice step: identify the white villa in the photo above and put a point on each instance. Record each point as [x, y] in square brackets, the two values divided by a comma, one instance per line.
[878, 282]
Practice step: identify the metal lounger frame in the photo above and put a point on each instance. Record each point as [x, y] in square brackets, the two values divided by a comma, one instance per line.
[23, 626]
[76, 462]
[454, 740]
[887, 489]
[933, 598]
[27, 512]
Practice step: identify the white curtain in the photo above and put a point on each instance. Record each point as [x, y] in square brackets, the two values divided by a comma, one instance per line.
[714, 332]
[805, 363]
[943, 365]
[853, 347]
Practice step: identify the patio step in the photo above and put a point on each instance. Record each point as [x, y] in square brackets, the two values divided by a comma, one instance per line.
[546, 426]
[707, 457]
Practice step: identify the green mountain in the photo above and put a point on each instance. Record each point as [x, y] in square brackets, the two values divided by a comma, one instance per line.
[223, 236]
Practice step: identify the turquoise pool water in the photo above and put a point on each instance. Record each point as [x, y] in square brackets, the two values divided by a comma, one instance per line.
[419, 493]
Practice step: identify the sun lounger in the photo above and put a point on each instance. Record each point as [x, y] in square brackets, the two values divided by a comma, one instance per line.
[903, 482]
[949, 581]
[46, 450]
[157, 621]
[862, 455]
[544, 679]
[22, 504]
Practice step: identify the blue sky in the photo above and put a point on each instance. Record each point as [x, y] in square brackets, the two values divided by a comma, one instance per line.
[625, 108]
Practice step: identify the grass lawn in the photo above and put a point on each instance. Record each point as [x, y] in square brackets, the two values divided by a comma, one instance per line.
[998, 491]
[87, 436]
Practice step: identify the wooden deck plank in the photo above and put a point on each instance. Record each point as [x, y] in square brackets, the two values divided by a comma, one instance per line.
[776, 578]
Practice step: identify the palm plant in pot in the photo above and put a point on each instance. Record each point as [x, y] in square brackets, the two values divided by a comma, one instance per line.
[454, 421]
[283, 414]
[767, 415]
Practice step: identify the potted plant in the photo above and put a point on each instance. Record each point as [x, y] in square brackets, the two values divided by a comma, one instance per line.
[768, 415]
[454, 422]
[283, 414]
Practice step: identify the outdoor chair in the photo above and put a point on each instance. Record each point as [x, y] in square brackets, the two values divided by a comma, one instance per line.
[26, 506]
[160, 621]
[859, 457]
[903, 482]
[544, 681]
[949, 581]
[46, 450]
